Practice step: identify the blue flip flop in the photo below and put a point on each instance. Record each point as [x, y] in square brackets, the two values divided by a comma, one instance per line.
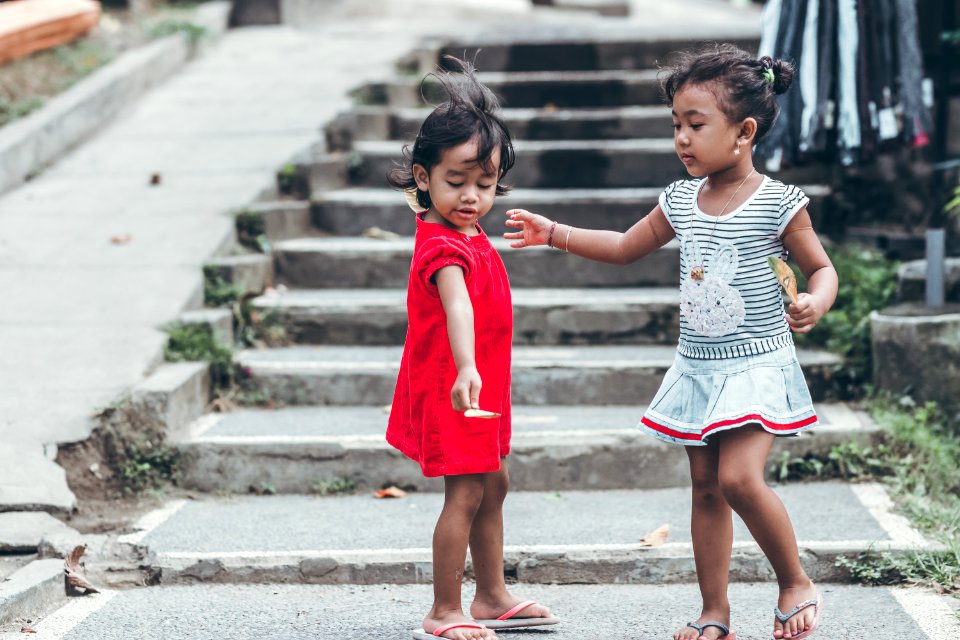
[727, 634]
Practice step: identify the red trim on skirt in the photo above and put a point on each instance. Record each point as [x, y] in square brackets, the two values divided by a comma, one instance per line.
[753, 417]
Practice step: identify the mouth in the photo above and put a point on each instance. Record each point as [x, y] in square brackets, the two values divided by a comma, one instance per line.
[467, 212]
[686, 158]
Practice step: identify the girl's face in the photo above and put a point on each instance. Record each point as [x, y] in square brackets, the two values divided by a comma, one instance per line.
[462, 191]
[704, 138]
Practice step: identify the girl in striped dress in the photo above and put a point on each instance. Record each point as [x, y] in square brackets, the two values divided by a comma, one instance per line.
[735, 384]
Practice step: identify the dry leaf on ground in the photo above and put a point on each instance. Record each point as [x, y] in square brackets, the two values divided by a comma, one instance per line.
[76, 575]
[390, 492]
[656, 537]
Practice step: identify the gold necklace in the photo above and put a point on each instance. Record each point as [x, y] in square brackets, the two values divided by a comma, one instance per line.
[697, 272]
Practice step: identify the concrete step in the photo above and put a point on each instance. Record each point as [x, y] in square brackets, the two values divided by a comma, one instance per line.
[571, 164]
[584, 53]
[554, 536]
[349, 212]
[541, 316]
[388, 123]
[593, 375]
[530, 89]
[298, 449]
[319, 263]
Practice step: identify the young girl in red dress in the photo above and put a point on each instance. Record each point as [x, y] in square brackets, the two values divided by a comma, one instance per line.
[457, 355]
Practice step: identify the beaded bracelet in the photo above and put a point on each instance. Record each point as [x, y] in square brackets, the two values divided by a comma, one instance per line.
[553, 227]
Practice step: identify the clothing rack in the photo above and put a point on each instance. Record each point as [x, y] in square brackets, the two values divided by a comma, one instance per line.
[859, 87]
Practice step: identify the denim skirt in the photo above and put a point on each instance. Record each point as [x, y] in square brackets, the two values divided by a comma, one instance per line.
[699, 398]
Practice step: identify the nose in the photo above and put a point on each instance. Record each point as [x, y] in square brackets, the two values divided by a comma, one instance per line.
[469, 194]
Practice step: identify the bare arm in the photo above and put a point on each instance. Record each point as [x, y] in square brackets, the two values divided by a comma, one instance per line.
[465, 393]
[803, 244]
[646, 236]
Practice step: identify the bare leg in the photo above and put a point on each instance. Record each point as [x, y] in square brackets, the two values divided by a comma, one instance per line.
[743, 455]
[711, 528]
[462, 498]
[486, 550]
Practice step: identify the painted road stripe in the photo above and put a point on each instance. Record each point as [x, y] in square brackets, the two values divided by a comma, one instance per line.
[151, 521]
[929, 611]
[876, 500]
[63, 620]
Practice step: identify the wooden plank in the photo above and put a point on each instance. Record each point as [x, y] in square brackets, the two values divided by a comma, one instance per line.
[27, 26]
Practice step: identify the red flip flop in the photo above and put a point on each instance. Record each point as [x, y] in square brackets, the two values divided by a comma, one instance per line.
[420, 634]
[508, 621]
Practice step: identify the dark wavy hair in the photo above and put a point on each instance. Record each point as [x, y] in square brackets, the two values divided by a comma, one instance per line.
[471, 112]
[741, 83]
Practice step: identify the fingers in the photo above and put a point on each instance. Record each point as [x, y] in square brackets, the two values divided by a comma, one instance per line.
[474, 394]
[460, 398]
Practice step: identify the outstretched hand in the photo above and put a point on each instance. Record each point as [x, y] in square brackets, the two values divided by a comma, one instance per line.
[534, 229]
[804, 314]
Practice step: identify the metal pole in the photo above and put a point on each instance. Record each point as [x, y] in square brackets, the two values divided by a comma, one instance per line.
[936, 267]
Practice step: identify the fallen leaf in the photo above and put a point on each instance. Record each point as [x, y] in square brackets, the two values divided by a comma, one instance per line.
[656, 537]
[76, 575]
[155, 179]
[390, 492]
[27, 630]
[121, 238]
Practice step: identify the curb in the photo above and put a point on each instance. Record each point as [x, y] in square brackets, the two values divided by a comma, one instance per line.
[29, 144]
[567, 564]
[32, 590]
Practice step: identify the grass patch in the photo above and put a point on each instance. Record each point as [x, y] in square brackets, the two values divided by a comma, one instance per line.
[918, 461]
[217, 290]
[196, 343]
[334, 487]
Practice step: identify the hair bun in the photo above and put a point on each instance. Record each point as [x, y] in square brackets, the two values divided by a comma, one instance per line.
[781, 71]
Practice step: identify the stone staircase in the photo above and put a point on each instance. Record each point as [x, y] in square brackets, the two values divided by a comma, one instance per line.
[592, 344]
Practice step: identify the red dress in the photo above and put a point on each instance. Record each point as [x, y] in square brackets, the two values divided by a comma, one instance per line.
[423, 424]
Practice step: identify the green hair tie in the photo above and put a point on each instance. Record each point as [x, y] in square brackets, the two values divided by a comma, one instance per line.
[769, 76]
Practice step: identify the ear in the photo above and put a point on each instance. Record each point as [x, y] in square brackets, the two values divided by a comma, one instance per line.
[748, 130]
[421, 176]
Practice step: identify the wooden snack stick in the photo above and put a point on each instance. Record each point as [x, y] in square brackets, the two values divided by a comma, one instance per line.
[785, 276]
[480, 413]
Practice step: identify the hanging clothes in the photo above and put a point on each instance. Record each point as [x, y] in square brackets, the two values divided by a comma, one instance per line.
[859, 75]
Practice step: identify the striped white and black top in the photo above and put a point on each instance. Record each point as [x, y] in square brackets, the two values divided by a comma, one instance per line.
[754, 229]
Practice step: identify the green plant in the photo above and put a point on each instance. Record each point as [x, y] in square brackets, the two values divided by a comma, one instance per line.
[289, 180]
[148, 466]
[217, 291]
[867, 282]
[196, 343]
[335, 486]
[10, 111]
[251, 230]
[270, 329]
[170, 26]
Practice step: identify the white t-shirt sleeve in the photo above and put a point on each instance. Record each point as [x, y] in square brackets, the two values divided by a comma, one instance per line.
[792, 201]
[665, 204]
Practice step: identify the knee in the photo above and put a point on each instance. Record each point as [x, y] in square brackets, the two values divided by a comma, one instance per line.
[705, 490]
[465, 499]
[740, 489]
[497, 485]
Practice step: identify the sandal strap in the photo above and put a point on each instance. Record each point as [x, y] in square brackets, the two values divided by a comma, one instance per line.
[783, 617]
[701, 627]
[439, 631]
[517, 609]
